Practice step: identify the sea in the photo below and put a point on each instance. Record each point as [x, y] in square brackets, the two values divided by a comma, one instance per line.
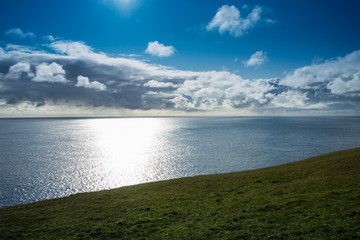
[56, 157]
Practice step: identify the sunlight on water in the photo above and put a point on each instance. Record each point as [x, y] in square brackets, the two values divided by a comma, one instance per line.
[48, 158]
[126, 148]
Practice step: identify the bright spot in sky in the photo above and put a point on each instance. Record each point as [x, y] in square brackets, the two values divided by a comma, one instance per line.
[124, 2]
[126, 5]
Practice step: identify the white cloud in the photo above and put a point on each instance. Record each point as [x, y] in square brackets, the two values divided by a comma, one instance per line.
[14, 47]
[69, 48]
[339, 75]
[270, 21]
[19, 33]
[53, 73]
[290, 99]
[293, 99]
[159, 50]
[85, 82]
[345, 85]
[228, 19]
[258, 58]
[48, 38]
[157, 84]
[16, 70]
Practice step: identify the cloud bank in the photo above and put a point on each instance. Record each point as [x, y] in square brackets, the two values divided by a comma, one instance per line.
[67, 76]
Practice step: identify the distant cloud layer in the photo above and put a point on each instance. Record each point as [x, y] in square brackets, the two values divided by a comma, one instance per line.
[159, 50]
[66, 76]
[17, 32]
[228, 19]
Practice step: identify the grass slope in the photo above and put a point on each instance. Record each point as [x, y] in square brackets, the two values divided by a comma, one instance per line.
[317, 198]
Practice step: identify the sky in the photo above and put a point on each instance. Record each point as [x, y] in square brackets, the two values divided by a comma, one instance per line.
[164, 57]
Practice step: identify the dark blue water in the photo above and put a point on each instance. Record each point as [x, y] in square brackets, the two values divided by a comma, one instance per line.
[49, 158]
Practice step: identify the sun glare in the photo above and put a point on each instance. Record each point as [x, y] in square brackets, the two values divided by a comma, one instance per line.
[124, 2]
[126, 5]
[127, 146]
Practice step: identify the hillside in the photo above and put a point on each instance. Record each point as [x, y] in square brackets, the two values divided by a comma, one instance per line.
[316, 198]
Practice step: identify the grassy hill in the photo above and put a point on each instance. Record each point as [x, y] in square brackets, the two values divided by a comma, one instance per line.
[317, 198]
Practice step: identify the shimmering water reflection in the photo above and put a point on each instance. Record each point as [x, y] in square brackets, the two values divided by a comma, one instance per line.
[109, 153]
[131, 150]
[48, 158]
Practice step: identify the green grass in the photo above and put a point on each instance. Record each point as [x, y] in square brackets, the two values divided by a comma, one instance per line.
[317, 198]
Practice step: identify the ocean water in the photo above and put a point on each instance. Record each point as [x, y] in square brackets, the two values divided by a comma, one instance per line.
[49, 158]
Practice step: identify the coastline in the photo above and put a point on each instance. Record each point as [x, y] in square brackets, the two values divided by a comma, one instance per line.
[313, 198]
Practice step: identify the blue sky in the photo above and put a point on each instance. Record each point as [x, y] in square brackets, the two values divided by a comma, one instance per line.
[255, 55]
